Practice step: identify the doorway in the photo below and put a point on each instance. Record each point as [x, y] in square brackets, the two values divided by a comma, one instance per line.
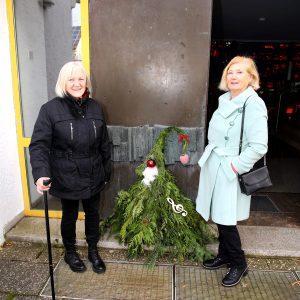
[38, 52]
[262, 32]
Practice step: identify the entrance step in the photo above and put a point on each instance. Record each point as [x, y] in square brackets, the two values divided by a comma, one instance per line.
[256, 240]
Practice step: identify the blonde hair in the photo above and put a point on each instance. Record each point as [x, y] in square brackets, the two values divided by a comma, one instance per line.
[65, 73]
[251, 69]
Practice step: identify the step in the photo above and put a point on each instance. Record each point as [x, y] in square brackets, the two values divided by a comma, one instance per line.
[256, 240]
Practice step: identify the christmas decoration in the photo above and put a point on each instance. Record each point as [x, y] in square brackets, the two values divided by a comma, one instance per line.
[151, 163]
[153, 213]
[184, 159]
[150, 172]
[177, 208]
[185, 140]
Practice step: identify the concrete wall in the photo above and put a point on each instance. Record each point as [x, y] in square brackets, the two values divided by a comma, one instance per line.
[150, 66]
[11, 199]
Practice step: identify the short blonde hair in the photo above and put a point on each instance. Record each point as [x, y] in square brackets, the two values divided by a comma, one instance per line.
[251, 69]
[65, 73]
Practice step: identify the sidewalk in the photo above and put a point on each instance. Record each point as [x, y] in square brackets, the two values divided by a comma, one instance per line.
[256, 240]
[24, 275]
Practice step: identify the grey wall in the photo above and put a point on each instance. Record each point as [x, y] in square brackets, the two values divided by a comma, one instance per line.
[132, 144]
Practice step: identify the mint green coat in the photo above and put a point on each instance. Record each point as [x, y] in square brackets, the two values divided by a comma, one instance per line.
[219, 195]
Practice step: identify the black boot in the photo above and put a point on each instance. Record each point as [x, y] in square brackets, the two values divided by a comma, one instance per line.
[73, 260]
[234, 276]
[97, 263]
[215, 263]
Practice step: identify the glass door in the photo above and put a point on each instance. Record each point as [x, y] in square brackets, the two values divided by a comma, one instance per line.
[44, 35]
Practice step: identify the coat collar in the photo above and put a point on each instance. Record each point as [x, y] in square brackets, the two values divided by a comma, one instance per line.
[227, 106]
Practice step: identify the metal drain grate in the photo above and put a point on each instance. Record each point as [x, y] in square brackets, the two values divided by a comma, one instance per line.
[120, 281]
[198, 283]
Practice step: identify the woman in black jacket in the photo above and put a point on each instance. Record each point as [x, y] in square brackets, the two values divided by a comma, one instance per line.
[70, 145]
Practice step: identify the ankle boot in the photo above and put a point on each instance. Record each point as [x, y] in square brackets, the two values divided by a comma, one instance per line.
[216, 263]
[234, 276]
[73, 260]
[97, 263]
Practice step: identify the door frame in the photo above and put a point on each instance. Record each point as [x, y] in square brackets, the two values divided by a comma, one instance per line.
[22, 141]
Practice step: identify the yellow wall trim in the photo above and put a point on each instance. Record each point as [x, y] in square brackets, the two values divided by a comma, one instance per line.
[85, 34]
[16, 97]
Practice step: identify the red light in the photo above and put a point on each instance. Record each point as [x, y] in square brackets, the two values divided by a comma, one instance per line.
[215, 53]
[289, 110]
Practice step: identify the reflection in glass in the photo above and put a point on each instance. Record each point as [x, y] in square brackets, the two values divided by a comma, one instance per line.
[76, 32]
[48, 34]
[44, 43]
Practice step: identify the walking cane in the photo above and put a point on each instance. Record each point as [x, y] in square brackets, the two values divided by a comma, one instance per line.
[46, 183]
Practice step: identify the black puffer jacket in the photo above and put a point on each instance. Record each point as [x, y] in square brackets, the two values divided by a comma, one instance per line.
[70, 144]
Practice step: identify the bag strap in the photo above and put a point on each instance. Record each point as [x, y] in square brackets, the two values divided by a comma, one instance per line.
[242, 126]
[242, 131]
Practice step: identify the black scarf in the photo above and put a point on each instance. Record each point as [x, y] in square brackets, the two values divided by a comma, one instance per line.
[78, 106]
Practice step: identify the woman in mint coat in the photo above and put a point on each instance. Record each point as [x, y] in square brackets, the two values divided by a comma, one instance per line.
[219, 196]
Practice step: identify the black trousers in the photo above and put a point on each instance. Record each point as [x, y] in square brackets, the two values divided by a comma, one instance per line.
[230, 246]
[69, 217]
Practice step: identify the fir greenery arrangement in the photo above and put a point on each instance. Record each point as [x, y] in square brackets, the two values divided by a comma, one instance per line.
[153, 213]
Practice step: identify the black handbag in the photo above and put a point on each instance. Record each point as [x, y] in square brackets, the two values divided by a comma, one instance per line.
[257, 178]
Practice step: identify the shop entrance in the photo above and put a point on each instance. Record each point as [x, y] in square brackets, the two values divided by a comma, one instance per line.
[262, 32]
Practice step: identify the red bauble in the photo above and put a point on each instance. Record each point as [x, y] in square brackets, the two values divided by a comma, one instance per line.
[151, 163]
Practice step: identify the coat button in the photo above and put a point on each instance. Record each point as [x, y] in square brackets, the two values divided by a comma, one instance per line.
[231, 123]
[226, 138]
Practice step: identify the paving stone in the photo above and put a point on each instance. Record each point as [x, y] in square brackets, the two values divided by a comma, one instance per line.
[197, 283]
[120, 281]
[24, 278]
[270, 241]
[25, 251]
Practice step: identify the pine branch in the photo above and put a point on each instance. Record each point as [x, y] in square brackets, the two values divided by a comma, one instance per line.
[143, 217]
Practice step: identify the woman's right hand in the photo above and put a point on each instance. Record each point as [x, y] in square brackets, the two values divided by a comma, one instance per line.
[40, 187]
